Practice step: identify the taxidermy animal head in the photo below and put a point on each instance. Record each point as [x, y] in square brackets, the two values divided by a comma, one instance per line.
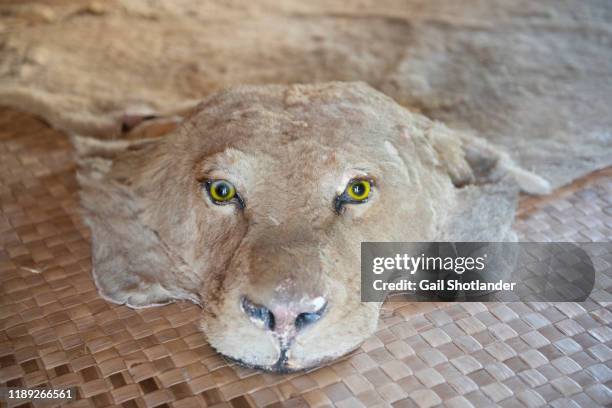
[255, 208]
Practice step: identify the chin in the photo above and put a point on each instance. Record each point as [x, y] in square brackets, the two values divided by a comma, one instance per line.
[284, 366]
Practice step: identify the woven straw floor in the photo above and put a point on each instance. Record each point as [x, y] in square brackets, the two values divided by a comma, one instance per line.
[55, 331]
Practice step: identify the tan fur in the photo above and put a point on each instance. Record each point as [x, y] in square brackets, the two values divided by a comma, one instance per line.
[289, 150]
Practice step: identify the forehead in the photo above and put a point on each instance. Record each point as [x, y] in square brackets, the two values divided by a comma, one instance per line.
[290, 149]
[294, 164]
[284, 135]
[283, 120]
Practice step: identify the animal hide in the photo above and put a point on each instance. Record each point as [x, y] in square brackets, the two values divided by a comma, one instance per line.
[534, 78]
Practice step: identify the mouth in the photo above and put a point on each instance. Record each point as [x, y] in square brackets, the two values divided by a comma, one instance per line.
[281, 366]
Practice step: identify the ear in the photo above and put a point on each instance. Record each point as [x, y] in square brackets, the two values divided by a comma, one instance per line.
[130, 263]
[472, 160]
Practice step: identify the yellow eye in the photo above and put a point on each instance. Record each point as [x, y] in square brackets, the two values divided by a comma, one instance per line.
[221, 190]
[358, 190]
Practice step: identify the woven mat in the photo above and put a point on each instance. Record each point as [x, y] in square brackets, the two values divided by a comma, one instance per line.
[55, 330]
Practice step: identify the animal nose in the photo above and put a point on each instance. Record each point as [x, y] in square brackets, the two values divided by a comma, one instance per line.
[285, 318]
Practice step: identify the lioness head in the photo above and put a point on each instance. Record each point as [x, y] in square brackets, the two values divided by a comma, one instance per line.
[256, 206]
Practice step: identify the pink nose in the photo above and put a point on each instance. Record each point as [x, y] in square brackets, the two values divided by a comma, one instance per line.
[287, 318]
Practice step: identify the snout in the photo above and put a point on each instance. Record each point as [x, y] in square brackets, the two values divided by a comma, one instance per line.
[286, 334]
[285, 305]
[284, 319]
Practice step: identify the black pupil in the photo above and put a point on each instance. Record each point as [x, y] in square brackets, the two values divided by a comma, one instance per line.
[358, 189]
[222, 190]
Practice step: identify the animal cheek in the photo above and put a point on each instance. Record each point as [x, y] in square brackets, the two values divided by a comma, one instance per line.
[215, 242]
[357, 212]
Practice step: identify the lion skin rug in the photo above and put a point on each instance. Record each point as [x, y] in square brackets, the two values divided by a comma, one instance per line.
[534, 78]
